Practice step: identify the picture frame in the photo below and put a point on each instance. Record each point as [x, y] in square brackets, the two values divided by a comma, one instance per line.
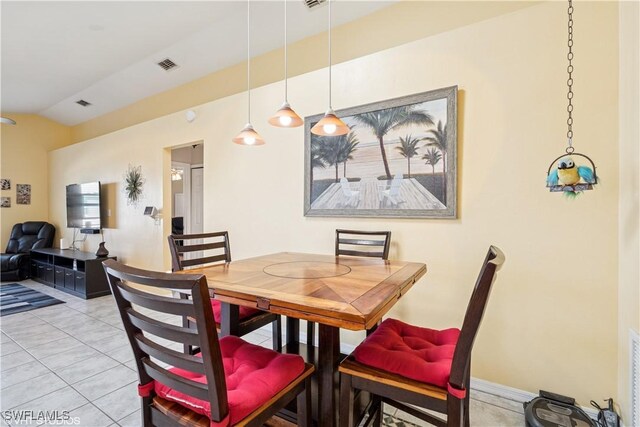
[5, 202]
[399, 160]
[5, 184]
[23, 194]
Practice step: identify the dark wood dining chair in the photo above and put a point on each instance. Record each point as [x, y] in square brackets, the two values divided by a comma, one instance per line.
[357, 243]
[403, 365]
[225, 383]
[211, 248]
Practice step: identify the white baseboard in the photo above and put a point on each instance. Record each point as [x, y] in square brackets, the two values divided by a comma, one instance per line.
[515, 394]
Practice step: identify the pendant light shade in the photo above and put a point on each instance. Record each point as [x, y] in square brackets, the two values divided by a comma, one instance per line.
[7, 121]
[248, 135]
[285, 117]
[330, 124]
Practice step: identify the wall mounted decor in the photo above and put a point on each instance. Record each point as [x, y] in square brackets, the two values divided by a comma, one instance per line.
[5, 202]
[397, 160]
[23, 194]
[571, 173]
[133, 182]
[5, 184]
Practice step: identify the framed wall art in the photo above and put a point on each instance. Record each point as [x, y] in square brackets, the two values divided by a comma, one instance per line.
[5, 184]
[23, 194]
[398, 160]
[5, 202]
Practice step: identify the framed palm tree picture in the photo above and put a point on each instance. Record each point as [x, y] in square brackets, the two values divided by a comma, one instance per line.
[399, 159]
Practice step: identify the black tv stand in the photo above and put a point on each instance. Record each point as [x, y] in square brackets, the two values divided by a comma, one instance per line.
[75, 272]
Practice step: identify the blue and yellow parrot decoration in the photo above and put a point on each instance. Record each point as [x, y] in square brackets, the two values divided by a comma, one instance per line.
[568, 175]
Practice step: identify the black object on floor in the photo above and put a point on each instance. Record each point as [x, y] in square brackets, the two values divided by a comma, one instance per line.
[15, 298]
[554, 410]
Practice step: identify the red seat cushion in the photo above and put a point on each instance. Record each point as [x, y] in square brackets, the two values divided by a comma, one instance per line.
[253, 374]
[418, 353]
[245, 312]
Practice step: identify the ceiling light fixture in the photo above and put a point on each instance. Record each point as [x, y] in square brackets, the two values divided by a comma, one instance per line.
[330, 124]
[7, 121]
[176, 174]
[248, 135]
[285, 117]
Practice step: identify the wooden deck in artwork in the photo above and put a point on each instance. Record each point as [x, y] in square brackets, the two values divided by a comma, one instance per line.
[412, 196]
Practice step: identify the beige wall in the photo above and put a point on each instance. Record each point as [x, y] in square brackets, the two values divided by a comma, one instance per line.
[629, 215]
[24, 160]
[551, 318]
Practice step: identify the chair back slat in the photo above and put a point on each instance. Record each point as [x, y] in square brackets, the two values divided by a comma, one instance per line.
[157, 302]
[204, 248]
[363, 243]
[145, 316]
[362, 253]
[193, 248]
[163, 330]
[174, 358]
[176, 382]
[473, 317]
[201, 261]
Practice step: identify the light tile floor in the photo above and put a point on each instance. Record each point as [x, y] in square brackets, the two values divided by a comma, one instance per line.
[75, 357]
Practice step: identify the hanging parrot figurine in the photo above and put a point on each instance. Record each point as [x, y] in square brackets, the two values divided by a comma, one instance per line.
[568, 174]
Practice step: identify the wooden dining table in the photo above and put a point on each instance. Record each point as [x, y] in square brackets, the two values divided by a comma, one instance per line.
[335, 292]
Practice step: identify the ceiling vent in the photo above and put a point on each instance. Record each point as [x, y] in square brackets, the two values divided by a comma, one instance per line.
[167, 64]
[313, 3]
[83, 103]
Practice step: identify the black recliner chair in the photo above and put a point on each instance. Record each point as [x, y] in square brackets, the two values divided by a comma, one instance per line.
[24, 237]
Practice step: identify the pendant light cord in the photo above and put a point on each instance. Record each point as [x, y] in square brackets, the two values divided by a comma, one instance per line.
[570, 78]
[330, 107]
[249, 60]
[286, 94]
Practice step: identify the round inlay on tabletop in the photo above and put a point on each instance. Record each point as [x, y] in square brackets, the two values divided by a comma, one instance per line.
[307, 270]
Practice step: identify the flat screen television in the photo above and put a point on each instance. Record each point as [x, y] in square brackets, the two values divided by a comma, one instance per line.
[83, 207]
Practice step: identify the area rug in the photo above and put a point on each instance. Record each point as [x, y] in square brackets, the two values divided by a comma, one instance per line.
[15, 298]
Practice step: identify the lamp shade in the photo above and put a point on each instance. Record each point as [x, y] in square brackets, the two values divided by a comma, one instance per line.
[7, 121]
[330, 125]
[285, 117]
[248, 136]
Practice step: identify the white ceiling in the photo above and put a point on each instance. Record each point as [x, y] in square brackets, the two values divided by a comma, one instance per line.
[55, 53]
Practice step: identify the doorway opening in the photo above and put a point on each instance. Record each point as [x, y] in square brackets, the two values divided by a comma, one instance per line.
[187, 192]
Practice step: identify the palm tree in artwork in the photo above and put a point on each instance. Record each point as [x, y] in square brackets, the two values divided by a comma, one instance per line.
[408, 148]
[332, 150]
[432, 157]
[438, 138]
[317, 160]
[348, 148]
[382, 122]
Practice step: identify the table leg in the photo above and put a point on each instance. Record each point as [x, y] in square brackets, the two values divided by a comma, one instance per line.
[329, 357]
[293, 331]
[230, 319]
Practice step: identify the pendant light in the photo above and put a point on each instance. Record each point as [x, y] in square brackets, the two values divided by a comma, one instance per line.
[248, 135]
[285, 117]
[330, 124]
[7, 121]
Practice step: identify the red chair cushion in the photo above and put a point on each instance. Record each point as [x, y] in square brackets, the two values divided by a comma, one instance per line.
[418, 353]
[245, 312]
[253, 374]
